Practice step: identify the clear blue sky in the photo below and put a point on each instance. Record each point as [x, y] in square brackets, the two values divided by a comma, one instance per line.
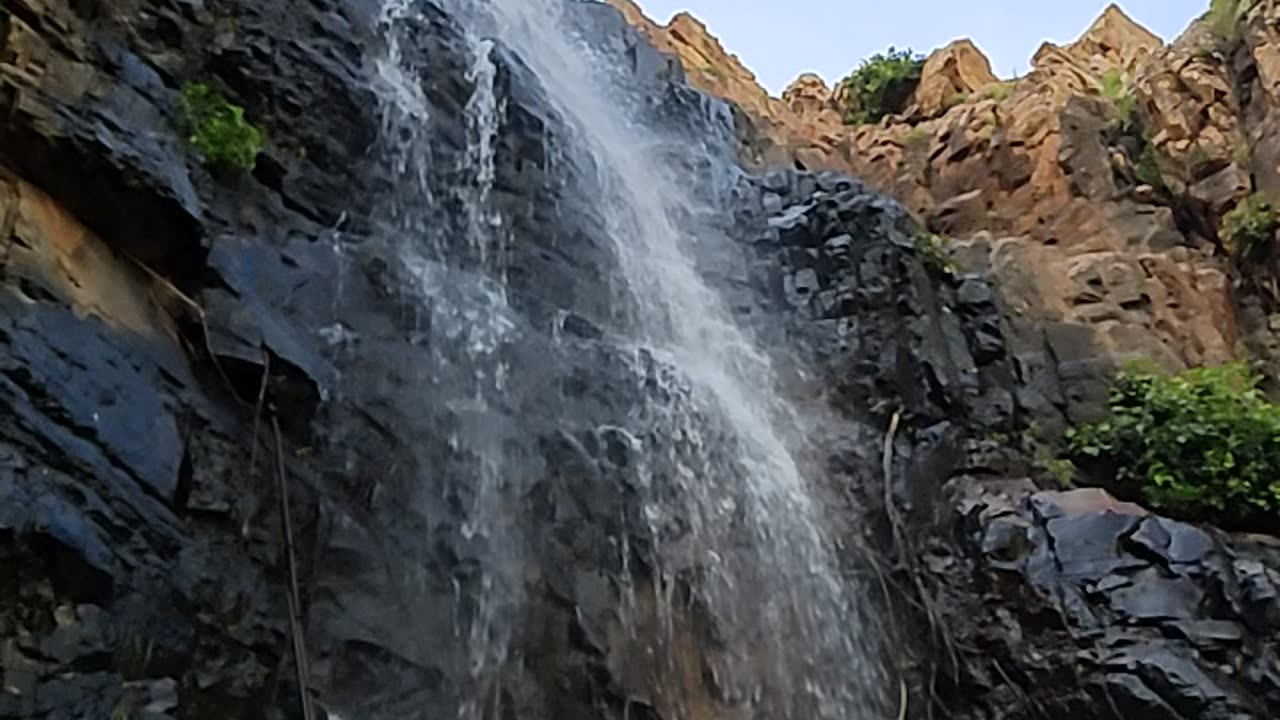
[779, 39]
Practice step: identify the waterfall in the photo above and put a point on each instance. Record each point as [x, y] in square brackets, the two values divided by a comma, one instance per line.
[730, 512]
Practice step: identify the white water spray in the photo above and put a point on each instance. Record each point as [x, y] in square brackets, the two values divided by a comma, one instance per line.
[797, 637]
[717, 447]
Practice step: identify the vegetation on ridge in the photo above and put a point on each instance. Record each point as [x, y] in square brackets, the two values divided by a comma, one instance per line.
[1249, 228]
[1201, 445]
[935, 253]
[999, 91]
[218, 129]
[880, 86]
[1225, 15]
[1116, 88]
[1147, 169]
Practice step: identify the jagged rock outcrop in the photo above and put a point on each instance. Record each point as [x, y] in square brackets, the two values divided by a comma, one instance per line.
[708, 65]
[1036, 185]
[1047, 603]
[1036, 182]
[776, 135]
[809, 96]
[1120, 613]
[1114, 41]
[950, 75]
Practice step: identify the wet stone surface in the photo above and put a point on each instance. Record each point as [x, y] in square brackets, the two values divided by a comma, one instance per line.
[143, 557]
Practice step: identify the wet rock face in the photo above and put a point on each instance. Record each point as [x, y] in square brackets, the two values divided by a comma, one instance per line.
[155, 320]
[148, 305]
[1056, 604]
[146, 364]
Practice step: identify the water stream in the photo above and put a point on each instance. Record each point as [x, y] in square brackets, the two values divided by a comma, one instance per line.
[729, 509]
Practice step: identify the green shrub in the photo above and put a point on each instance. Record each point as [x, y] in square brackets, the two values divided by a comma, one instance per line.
[933, 251]
[1225, 16]
[1116, 89]
[998, 91]
[1250, 227]
[1147, 168]
[1201, 445]
[956, 99]
[218, 129]
[1060, 470]
[880, 86]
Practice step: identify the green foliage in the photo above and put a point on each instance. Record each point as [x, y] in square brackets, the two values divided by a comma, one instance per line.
[1042, 451]
[1206, 51]
[998, 91]
[1225, 16]
[917, 137]
[218, 129]
[1250, 227]
[935, 254]
[1061, 470]
[959, 98]
[880, 86]
[1202, 445]
[1116, 89]
[1147, 169]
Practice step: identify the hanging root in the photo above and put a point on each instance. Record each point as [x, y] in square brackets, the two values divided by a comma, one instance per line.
[909, 559]
[300, 658]
[902, 699]
[245, 526]
[198, 309]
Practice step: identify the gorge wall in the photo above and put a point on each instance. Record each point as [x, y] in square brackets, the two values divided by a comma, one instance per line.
[409, 327]
[1037, 194]
[1036, 189]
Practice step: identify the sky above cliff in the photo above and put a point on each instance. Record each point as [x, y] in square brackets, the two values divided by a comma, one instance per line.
[781, 40]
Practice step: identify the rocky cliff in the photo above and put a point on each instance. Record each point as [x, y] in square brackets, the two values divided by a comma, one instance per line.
[1036, 186]
[1037, 189]
[368, 432]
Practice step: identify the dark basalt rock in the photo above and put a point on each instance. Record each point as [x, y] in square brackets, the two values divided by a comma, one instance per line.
[1154, 627]
[142, 558]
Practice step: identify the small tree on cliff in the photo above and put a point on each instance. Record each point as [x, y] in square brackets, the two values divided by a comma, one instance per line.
[880, 86]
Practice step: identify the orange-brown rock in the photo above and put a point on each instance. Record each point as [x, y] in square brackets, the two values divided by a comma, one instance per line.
[1043, 185]
[780, 135]
[709, 66]
[1192, 113]
[951, 75]
[1258, 57]
[1115, 41]
[810, 97]
[49, 248]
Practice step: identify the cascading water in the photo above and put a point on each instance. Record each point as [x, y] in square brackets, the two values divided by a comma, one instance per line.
[726, 506]
[469, 312]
